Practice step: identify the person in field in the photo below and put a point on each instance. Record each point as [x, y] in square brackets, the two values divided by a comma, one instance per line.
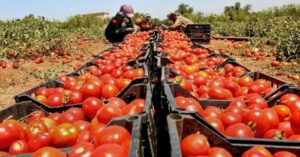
[143, 23]
[120, 25]
[179, 22]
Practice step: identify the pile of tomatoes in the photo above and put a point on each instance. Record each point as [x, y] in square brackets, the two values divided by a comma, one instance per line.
[86, 129]
[197, 145]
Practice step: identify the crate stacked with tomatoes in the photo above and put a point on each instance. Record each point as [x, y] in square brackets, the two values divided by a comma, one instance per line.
[101, 109]
[225, 104]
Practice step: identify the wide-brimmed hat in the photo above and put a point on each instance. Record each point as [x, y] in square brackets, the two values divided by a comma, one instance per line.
[127, 9]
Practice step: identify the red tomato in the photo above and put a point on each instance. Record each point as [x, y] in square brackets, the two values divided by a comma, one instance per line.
[294, 105]
[245, 81]
[82, 125]
[239, 130]
[90, 90]
[66, 117]
[109, 90]
[107, 112]
[230, 118]
[64, 135]
[295, 121]
[212, 111]
[295, 137]
[50, 123]
[283, 112]
[110, 150]
[75, 97]
[272, 116]
[287, 98]
[55, 100]
[91, 106]
[2, 153]
[275, 134]
[286, 127]
[77, 112]
[16, 126]
[258, 121]
[122, 83]
[113, 135]
[36, 115]
[82, 150]
[284, 154]
[55, 116]
[84, 136]
[219, 152]
[121, 103]
[261, 150]
[259, 102]
[18, 147]
[220, 93]
[42, 91]
[190, 145]
[48, 152]
[34, 128]
[216, 123]
[97, 129]
[39, 140]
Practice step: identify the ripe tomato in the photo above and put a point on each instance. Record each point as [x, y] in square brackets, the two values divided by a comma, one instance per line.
[43, 91]
[64, 135]
[55, 100]
[122, 83]
[190, 145]
[84, 136]
[39, 140]
[121, 103]
[109, 90]
[294, 105]
[2, 153]
[230, 118]
[90, 90]
[18, 147]
[78, 113]
[275, 134]
[16, 126]
[91, 106]
[55, 116]
[113, 135]
[75, 97]
[287, 98]
[239, 130]
[50, 123]
[36, 115]
[48, 152]
[82, 125]
[295, 137]
[220, 93]
[189, 104]
[295, 121]
[34, 128]
[97, 129]
[107, 112]
[245, 81]
[261, 150]
[111, 150]
[257, 102]
[272, 117]
[82, 150]
[216, 123]
[219, 152]
[286, 127]
[283, 112]
[66, 117]
[258, 121]
[284, 154]
[212, 111]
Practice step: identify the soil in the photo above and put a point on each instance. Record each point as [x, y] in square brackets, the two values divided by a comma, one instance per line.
[30, 74]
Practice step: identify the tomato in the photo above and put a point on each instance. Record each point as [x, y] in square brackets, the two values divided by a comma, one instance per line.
[82, 125]
[82, 150]
[97, 129]
[55, 116]
[257, 101]
[200, 80]
[189, 104]
[239, 130]
[66, 117]
[295, 137]
[212, 111]
[121, 103]
[117, 73]
[283, 112]
[275, 134]
[34, 128]
[220, 93]
[48, 152]
[50, 123]
[190, 145]
[284, 154]
[41, 99]
[75, 97]
[113, 135]
[295, 121]
[245, 81]
[261, 150]
[16, 126]
[272, 117]
[84, 136]
[219, 152]
[78, 113]
[110, 150]
[18, 147]
[202, 90]
[286, 127]
[107, 112]
[258, 121]
[64, 135]
[216, 123]
[230, 118]
[287, 98]
[39, 140]
[90, 90]
[55, 100]
[36, 115]
[91, 106]
[231, 85]
[122, 83]
[109, 90]
[43, 91]
[253, 153]
[2, 153]
[294, 105]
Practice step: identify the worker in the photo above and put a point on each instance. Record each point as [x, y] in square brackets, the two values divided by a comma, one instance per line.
[179, 22]
[143, 23]
[120, 25]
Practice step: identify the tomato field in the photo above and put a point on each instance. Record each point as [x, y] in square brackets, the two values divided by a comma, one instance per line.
[65, 91]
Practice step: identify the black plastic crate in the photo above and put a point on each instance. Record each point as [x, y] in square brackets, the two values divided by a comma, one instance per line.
[19, 111]
[181, 125]
[132, 123]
